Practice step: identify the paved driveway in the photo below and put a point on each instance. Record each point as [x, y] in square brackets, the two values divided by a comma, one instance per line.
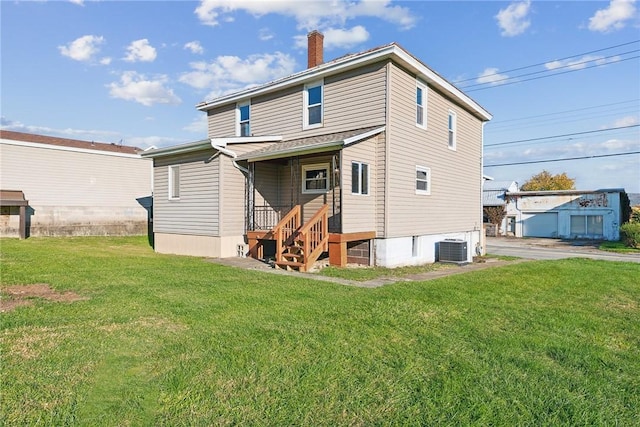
[537, 248]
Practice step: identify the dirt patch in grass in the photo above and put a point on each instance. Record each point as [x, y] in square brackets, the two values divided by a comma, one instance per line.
[21, 295]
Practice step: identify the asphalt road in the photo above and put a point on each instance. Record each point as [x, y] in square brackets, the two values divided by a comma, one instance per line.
[534, 248]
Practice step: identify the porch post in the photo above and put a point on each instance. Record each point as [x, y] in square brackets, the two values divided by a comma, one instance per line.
[250, 220]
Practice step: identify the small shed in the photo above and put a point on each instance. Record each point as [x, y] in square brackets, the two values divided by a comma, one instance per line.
[15, 198]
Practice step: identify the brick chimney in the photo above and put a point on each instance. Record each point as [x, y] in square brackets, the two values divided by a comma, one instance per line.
[315, 53]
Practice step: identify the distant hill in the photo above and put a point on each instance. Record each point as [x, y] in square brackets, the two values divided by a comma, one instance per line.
[634, 199]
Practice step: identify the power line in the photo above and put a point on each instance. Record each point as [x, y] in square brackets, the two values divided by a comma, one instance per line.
[561, 136]
[553, 70]
[562, 160]
[565, 111]
[550, 75]
[543, 63]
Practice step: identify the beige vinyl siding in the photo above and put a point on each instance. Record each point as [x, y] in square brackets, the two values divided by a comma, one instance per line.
[359, 211]
[454, 202]
[352, 99]
[222, 121]
[232, 186]
[77, 193]
[311, 202]
[267, 190]
[197, 210]
[52, 177]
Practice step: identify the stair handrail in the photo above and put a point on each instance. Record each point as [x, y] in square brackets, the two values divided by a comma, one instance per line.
[315, 236]
[285, 229]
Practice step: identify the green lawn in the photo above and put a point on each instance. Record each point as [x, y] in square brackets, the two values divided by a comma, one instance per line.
[168, 340]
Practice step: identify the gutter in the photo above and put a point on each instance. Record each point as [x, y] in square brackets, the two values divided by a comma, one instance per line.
[231, 154]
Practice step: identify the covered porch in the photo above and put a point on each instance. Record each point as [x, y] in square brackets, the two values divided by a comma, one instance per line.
[294, 201]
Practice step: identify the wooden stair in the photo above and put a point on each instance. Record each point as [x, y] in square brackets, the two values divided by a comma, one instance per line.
[299, 246]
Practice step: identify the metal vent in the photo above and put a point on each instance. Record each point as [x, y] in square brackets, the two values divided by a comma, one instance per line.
[452, 251]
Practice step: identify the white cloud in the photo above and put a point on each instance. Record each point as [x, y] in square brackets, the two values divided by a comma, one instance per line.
[136, 87]
[316, 14]
[198, 125]
[613, 17]
[140, 50]
[626, 121]
[230, 73]
[580, 63]
[105, 61]
[78, 2]
[145, 142]
[513, 19]
[265, 34]
[338, 38]
[491, 76]
[194, 47]
[83, 49]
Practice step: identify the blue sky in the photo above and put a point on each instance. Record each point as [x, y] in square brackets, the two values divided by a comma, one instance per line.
[127, 71]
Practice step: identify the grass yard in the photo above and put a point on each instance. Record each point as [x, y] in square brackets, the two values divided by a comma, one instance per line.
[136, 338]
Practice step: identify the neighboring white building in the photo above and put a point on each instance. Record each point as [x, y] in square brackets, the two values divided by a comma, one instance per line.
[566, 214]
[493, 194]
[74, 187]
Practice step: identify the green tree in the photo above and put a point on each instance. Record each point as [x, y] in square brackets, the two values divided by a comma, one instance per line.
[546, 181]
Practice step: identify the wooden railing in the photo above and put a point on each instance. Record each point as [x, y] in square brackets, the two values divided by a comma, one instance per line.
[285, 231]
[314, 236]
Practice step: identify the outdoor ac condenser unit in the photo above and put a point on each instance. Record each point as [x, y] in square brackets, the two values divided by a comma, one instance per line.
[452, 251]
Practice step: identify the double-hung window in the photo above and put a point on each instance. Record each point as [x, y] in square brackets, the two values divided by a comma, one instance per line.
[423, 180]
[174, 182]
[421, 105]
[243, 114]
[315, 178]
[359, 178]
[452, 130]
[313, 105]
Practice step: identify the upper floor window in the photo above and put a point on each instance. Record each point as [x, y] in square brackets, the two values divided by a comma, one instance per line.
[423, 180]
[421, 105]
[452, 130]
[315, 178]
[174, 182]
[313, 105]
[243, 113]
[359, 178]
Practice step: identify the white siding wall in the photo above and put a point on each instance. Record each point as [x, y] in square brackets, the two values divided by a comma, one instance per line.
[77, 193]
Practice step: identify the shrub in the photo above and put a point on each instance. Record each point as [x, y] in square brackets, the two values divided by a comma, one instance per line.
[630, 234]
[635, 214]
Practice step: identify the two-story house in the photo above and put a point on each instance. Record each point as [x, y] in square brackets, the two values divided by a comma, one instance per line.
[372, 156]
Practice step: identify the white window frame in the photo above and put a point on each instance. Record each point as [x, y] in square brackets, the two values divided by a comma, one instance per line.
[238, 117]
[305, 110]
[359, 175]
[423, 87]
[452, 130]
[173, 188]
[316, 166]
[428, 180]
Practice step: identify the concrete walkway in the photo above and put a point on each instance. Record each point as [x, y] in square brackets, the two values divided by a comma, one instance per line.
[449, 270]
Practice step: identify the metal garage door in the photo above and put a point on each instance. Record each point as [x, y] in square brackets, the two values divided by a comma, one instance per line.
[540, 224]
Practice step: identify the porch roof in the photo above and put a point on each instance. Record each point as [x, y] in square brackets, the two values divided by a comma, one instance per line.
[310, 145]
